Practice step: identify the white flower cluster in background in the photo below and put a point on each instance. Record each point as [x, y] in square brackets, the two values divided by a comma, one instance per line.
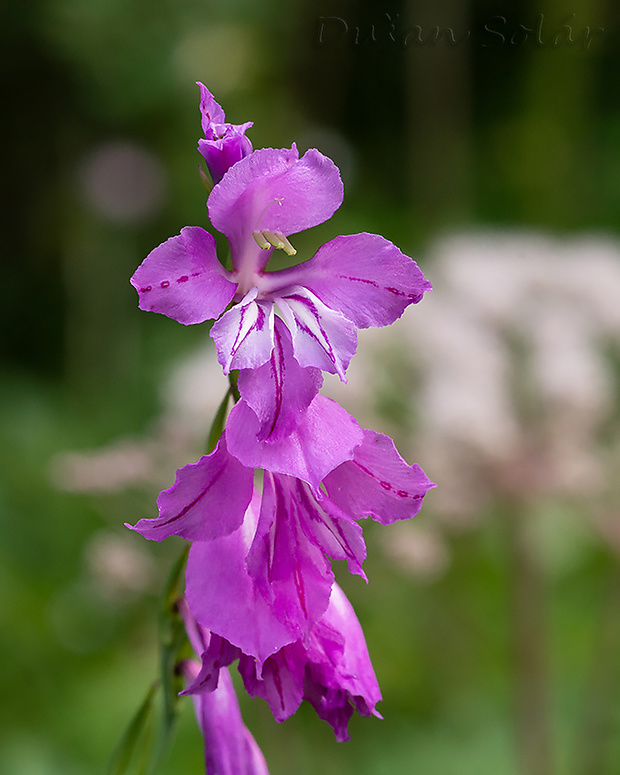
[514, 387]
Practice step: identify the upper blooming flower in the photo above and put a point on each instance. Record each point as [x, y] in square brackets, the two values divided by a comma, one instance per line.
[223, 144]
[284, 327]
[330, 668]
[259, 572]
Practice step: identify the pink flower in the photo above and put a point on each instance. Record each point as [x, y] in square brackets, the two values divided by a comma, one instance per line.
[259, 571]
[287, 326]
[230, 749]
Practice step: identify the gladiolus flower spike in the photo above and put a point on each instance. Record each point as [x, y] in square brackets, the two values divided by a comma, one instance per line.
[284, 491]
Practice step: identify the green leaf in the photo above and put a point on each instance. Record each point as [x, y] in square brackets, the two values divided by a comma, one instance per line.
[136, 741]
[207, 182]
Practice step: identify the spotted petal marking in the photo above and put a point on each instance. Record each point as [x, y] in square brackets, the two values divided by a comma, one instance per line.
[183, 279]
[378, 483]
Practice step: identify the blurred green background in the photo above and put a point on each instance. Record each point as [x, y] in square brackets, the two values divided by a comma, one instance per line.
[498, 660]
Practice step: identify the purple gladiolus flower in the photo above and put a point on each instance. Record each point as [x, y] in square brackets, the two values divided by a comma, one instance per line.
[259, 571]
[353, 281]
[223, 144]
[228, 600]
[283, 492]
[266, 583]
[330, 668]
[376, 483]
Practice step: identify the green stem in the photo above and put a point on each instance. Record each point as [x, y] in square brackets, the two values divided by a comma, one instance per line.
[233, 378]
[173, 641]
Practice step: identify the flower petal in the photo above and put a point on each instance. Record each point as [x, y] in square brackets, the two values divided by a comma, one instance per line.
[208, 499]
[322, 337]
[183, 279]
[280, 681]
[230, 146]
[333, 684]
[225, 599]
[331, 667]
[274, 189]
[378, 483]
[290, 571]
[211, 111]
[280, 390]
[244, 335]
[217, 654]
[324, 439]
[334, 532]
[364, 276]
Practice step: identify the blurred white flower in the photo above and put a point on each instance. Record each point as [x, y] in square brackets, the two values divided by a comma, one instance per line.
[190, 396]
[118, 566]
[510, 389]
[123, 182]
[419, 553]
[123, 464]
[515, 382]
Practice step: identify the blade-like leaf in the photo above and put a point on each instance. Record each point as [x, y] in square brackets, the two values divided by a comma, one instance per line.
[135, 741]
[219, 421]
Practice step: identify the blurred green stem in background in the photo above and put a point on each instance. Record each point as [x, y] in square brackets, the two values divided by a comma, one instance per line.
[533, 726]
[600, 700]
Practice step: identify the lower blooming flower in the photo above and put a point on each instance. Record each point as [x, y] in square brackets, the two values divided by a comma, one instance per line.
[330, 668]
[259, 571]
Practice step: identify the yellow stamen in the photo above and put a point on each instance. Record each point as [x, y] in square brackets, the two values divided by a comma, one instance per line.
[260, 240]
[279, 241]
[265, 239]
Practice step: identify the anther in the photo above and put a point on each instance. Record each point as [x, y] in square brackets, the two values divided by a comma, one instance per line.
[266, 239]
[279, 241]
[260, 240]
